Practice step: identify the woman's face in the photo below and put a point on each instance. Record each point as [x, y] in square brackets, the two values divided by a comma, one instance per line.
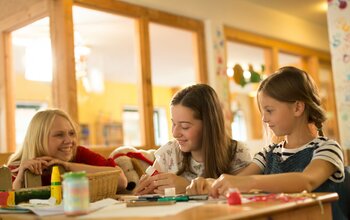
[62, 139]
[186, 129]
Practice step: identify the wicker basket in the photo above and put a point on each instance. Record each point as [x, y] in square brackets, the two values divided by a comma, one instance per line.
[103, 184]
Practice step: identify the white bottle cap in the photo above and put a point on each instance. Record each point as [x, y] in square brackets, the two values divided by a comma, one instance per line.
[170, 191]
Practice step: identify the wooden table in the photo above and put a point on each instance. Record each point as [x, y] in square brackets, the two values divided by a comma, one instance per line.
[309, 208]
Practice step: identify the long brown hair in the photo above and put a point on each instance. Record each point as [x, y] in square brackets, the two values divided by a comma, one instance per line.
[290, 84]
[216, 143]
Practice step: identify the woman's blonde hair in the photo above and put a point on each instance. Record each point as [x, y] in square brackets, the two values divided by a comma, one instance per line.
[36, 140]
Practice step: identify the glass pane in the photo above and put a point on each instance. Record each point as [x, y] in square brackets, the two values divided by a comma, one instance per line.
[245, 65]
[106, 77]
[285, 59]
[245, 68]
[32, 65]
[173, 67]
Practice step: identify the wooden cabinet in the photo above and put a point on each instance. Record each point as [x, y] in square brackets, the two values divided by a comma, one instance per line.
[109, 134]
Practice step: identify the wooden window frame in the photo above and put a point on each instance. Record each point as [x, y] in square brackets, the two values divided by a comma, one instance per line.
[64, 89]
[311, 59]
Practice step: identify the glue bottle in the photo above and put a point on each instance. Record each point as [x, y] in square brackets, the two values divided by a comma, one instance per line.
[151, 171]
[56, 187]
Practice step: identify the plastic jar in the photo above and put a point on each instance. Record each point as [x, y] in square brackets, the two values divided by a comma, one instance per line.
[76, 198]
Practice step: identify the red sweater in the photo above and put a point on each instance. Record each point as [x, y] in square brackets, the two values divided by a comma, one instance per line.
[86, 156]
[83, 155]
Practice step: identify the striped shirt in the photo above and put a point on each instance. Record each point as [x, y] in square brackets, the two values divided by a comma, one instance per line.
[324, 149]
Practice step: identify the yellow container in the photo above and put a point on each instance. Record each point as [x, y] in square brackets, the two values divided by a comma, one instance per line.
[56, 187]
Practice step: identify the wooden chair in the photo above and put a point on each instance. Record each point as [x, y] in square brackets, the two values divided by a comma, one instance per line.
[6, 181]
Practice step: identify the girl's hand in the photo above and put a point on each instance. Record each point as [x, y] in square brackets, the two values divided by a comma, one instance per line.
[54, 161]
[199, 185]
[35, 166]
[168, 180]
[221, 185]
[145, 185]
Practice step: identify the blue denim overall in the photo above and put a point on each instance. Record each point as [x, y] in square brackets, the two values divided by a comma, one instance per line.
[297, 163]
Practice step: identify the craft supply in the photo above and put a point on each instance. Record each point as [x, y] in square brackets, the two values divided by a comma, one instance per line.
[170, 191]
[7, 198]
[50, 202]
[25, 194]
[198, 197]
[56, 187]
[234, 197]
[179, 198]
[280, 197]
[151, 197]
[76, 193]
[136, 203]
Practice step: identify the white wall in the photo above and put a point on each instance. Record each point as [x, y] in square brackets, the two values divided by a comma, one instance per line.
[247, 16]
[339, 26]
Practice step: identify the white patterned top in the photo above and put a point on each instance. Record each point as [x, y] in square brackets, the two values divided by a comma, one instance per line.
[169, 158]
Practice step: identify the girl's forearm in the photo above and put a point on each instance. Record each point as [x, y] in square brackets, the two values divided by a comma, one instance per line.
[286, 182]
[18, 182]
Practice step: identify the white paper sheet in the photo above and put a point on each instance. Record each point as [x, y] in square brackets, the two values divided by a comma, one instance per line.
[120, 210]
[46, 210]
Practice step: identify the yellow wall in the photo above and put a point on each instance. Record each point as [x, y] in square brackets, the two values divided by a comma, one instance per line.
[94, 108]
[32, 90]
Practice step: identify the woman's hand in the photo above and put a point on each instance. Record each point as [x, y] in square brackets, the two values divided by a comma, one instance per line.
[54, 161]
[199, 185]
[145, 185]
[158, 183]
[168, 180]
[35, 166]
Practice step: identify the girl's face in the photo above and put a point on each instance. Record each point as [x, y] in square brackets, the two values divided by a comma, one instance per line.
[278, 116]
[186, 129]
[62, 139]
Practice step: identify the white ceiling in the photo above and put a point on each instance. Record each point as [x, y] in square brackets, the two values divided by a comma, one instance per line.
[113, 48]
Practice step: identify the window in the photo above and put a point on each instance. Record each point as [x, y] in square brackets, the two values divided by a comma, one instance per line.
[24, 114]
[131, 125]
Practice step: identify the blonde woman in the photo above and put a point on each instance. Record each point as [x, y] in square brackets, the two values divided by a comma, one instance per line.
[51, 139]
